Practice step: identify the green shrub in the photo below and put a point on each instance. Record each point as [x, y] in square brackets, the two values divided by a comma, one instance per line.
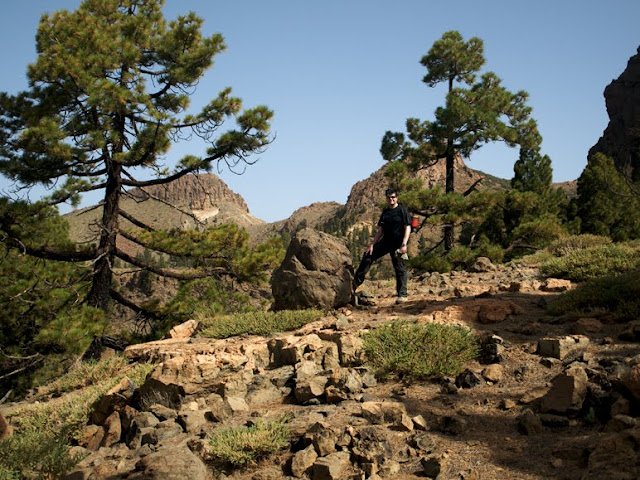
[256, 323]
[490, 250]
[593, 262]
[36, 454]
[618, 295]
[461, 256]
[240, 446]
[430, 263]
[569, 244]
[409, 350]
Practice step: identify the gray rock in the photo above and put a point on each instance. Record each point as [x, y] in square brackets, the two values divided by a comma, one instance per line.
[560, 347]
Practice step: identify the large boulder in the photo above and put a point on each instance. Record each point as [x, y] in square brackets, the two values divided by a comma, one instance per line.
[317, 272]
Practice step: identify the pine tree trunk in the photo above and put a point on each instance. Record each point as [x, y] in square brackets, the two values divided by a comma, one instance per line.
[99, 295]
[449, 188]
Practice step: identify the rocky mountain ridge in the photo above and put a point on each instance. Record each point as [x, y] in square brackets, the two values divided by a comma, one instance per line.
[205, 199]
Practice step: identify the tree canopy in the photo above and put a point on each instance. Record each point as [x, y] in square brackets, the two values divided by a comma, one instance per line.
[108, 96]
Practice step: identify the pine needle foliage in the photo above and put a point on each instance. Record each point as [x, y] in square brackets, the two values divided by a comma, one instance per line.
[477, 110]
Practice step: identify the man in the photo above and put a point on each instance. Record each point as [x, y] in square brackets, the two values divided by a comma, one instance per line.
[394, 228]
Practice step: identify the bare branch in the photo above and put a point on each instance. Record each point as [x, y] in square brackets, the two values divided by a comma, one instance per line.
[158, 199]
[135, 221]
[118, 297]
[164, 272]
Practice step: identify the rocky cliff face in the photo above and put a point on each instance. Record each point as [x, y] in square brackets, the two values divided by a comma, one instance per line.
[207, 197]
[196, 192]
[621, 138]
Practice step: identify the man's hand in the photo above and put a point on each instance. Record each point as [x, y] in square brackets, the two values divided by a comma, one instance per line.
[369, 251]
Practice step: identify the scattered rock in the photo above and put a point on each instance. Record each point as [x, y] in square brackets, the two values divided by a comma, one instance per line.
[567, 393]
[332, 467]
[496, 311]
[585, 326]
[184, 330]
[631, 381]
[482, 264]
[560, 347]
[452, 424]
[529, 423]
[175, 463]
[303, 461]
[6, 430]
[556, 285]
[493, 373]
[467, 379]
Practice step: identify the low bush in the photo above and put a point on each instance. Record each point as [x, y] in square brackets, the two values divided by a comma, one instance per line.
[239, 446]
[418, 351]
[569, 244]
[618, 296]
[593, 262]
[256, 323]
[430, 263]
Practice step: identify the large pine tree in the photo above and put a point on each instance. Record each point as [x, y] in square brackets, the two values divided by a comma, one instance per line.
[108, 94]
[476, 112]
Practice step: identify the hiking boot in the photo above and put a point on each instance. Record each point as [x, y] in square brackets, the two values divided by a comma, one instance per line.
[401, 300]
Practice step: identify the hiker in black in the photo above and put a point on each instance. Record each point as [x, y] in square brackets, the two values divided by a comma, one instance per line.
[394, 228]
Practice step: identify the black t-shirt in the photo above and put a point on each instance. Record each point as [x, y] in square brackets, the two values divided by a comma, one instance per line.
[393, 222]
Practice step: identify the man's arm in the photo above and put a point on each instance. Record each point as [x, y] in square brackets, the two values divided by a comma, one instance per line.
[405, 239]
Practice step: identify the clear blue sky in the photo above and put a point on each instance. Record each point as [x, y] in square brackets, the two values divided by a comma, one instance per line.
[339, 73]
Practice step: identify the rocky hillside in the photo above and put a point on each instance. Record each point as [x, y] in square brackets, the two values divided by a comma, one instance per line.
[551, 397]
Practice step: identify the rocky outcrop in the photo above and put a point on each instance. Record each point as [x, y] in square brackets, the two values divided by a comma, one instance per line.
[621, 139]
[196, 192]
[316, 273]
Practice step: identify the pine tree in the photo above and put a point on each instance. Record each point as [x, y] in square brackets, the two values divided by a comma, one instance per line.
[476, 112]
[109, 92]
[607, 204]
[532, 172]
